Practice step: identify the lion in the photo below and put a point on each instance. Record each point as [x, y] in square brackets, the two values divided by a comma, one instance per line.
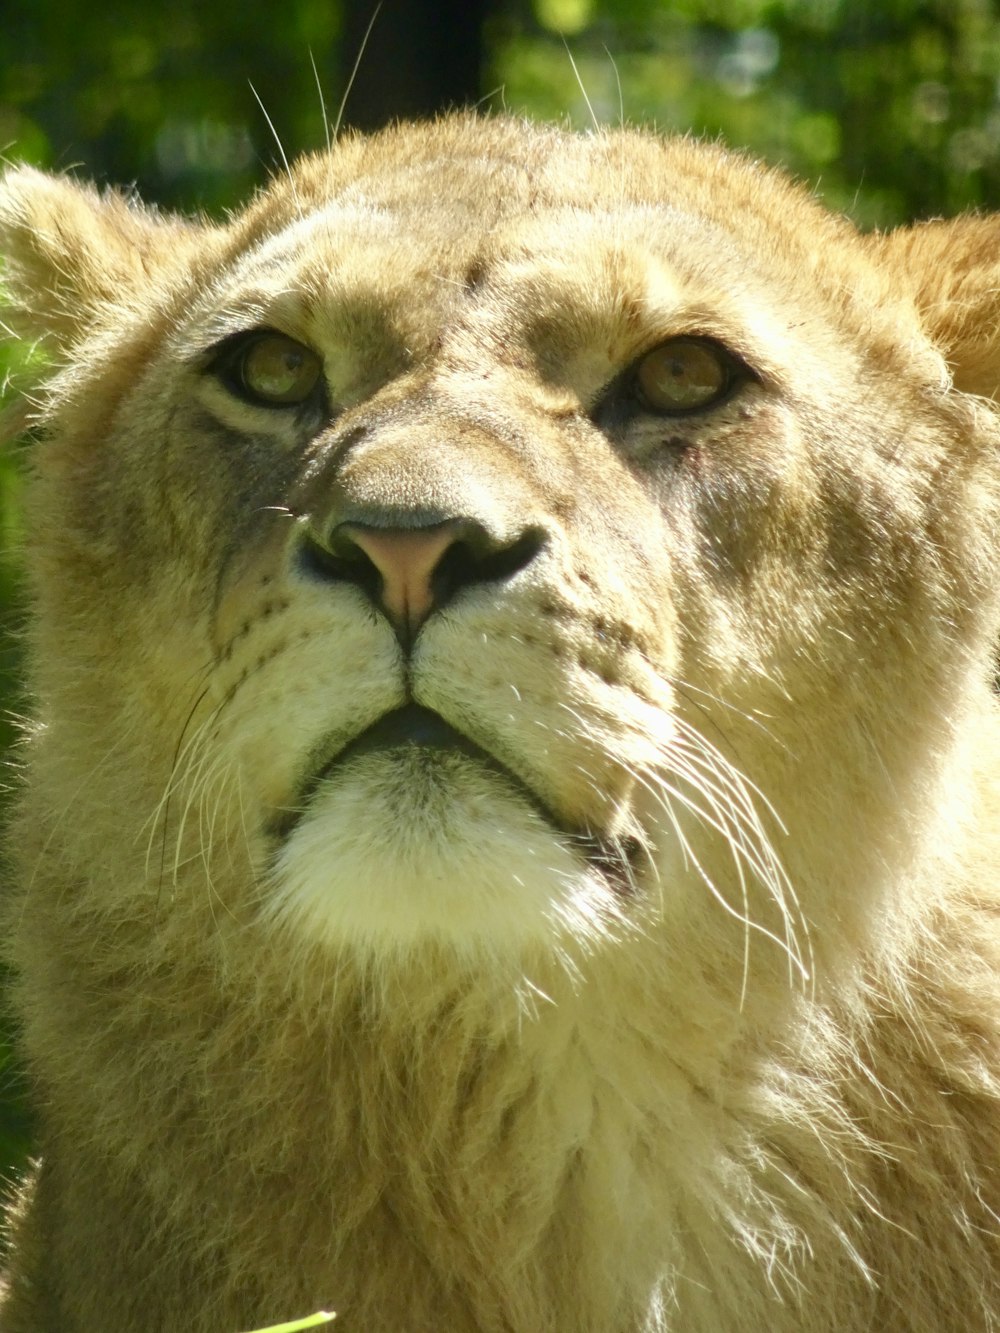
[508, 835]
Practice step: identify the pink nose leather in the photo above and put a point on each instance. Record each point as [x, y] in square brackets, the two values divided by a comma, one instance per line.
[406, 559]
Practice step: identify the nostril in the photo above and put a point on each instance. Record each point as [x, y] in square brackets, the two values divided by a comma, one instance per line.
[470, 559]
[339, 561]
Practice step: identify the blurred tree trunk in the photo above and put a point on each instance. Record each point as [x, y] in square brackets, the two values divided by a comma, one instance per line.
[421, 57]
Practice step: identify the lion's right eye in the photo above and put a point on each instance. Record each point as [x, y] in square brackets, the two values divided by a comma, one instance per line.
[270, 369]
[684, 375]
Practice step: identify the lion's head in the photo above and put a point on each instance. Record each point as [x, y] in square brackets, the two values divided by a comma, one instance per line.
[536, 559]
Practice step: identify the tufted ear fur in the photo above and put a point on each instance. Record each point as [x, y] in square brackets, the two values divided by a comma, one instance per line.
[72, 256]
[952, 269]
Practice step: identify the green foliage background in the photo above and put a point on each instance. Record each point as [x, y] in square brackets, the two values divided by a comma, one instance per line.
[889, 109]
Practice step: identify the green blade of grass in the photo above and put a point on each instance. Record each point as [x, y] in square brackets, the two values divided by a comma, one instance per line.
[310, 1321]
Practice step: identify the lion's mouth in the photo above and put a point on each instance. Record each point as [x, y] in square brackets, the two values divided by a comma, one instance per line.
[413, 725]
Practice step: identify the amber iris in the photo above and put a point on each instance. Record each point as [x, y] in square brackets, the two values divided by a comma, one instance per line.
[683, 375]
[275, 369]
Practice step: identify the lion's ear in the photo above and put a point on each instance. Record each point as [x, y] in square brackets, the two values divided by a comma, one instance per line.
[71, 256]
[953, 271]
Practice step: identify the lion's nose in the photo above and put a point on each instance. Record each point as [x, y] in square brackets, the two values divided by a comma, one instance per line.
[412, 572]
[405, 562]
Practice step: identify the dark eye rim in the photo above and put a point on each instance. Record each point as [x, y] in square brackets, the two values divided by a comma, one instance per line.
[225, 362]
[623, 399]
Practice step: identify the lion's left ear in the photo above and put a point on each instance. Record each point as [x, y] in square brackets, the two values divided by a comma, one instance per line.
[72, 256]
[953, 272]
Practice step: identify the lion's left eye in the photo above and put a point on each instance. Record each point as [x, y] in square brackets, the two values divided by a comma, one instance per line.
[271, 369]
[684, 375]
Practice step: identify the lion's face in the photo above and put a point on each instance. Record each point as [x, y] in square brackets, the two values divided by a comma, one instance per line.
[507, 539]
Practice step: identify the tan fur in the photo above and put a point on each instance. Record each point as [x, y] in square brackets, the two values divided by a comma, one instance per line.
[424, 1059]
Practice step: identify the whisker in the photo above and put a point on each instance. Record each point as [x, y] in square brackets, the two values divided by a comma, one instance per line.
[198, 780]
[692, 858]
[686, 689]
[354, 71]
[180, 751]
[281, 150]
[618, 83]
[583, 91]
[322, 99]
[702, 760]
[218, 781]
[700, 751]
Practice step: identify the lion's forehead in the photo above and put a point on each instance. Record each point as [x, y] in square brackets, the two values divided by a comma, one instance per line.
[477, 231]
[484, 183]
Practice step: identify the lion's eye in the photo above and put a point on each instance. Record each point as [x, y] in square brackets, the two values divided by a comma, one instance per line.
[684, 375]
[272, 369]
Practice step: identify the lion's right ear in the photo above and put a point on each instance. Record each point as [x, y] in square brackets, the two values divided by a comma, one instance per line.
[952, 269]
[72, 256]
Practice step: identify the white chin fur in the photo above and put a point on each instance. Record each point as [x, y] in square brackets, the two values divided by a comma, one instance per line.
[400, 849]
